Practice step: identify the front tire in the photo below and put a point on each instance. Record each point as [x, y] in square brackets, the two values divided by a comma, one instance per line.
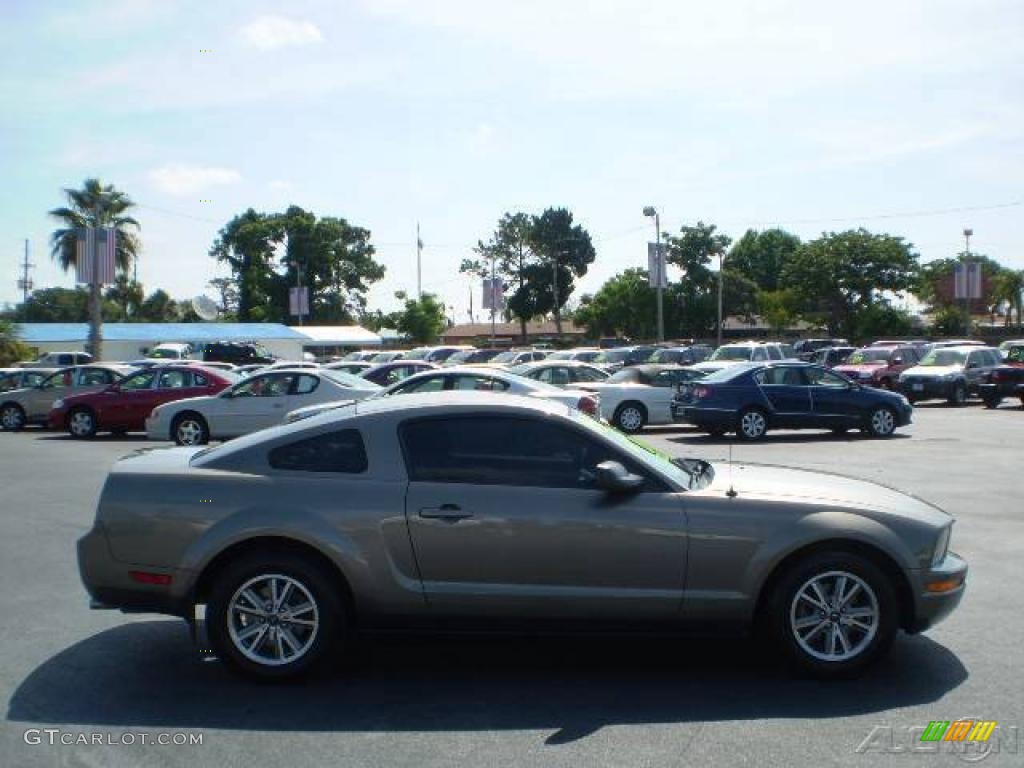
[834, 613]
[958, 396]
[630, 417]
[82, 423]
[993, 402]
[275, 617]
[751, 424]
[12, 418]
[881, 422]
[190, 429]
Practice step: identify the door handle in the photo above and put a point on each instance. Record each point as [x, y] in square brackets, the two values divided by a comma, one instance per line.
[448, 512]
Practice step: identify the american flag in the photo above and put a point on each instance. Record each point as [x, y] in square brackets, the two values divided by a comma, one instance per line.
[104, 241]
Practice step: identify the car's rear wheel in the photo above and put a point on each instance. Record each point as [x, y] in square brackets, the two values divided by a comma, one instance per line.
[12, 417]
[993, 401]
[275, 616]
[881, 422]
[630, 417]
[751, 424]
[959, 394]
[190, 429]
[834, 613]
[82, 423]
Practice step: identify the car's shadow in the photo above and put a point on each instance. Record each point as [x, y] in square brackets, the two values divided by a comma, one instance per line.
[783, 437]
[103, 437]
[144, 674]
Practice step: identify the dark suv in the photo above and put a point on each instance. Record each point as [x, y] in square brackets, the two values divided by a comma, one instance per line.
[235, 352]
[950, 373]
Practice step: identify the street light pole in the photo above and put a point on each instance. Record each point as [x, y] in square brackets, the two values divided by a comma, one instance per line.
[659, 263]
[967, 275]
[721, 260]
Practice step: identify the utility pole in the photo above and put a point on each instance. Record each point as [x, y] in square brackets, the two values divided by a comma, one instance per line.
[967, 275]
[25, 283]
[492, 300]
[419, 263]
[298, 286]
[554, 293]
[721, 260]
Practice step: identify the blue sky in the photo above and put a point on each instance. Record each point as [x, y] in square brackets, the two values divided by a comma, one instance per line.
[815, 116]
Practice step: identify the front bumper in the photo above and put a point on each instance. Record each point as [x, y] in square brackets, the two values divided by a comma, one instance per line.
[932, 606]
[927, 389]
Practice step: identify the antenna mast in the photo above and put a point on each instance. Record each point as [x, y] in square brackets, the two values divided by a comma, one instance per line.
[25, 282]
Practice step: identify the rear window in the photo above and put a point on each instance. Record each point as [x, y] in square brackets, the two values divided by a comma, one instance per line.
[341, 452]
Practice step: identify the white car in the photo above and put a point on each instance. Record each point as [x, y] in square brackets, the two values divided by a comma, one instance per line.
[473, 379]
[639, 395]
[258, 401]
[282, 364]
[171, 351]
[743, 352]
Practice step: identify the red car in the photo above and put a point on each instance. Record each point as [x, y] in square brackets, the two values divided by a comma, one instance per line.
[124, 406]
[879, 366]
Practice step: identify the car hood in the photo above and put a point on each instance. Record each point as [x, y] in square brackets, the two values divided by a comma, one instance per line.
[934, 371]
[824, 489]
[188, 402]
[716, 365]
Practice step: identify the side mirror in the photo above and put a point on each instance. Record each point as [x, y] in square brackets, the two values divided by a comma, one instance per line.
[973, 365]
[897, 361]
[611, 476]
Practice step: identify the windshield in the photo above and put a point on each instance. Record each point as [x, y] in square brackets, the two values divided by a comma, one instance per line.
[506, 357]
[612, 356]
[565, 354]
[164, 354]
[626, 374]
[461, 357]
[862, 356]
[417, 354]
[941, 357]
[732, 352]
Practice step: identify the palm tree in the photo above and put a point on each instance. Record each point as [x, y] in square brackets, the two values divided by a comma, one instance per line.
[95, 205]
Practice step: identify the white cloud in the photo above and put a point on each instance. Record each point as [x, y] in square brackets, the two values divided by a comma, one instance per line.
[190, 179]
[280, 185]
[270, 32]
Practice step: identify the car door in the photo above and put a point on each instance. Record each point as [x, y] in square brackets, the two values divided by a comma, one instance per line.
[171, 385]
[131, 402]
[658, 397]
[978, 368]
[505, 521]
[258, 402]
[38, 401]
[835, 401]
[788, 394]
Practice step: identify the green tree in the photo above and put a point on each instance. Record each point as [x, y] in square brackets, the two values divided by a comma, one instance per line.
[94, 205]
[247, 244]
[1008, 288]
[55, 305]
[159, 307]
[564, 248]
[949, 321]
[12, 349]
[421, 320]
[839, 275]
[935, 281]
[623, 306]
[126, 295]
[694, 298]
[507, 255]
[227, 296]
[777, 308]
[762, 256]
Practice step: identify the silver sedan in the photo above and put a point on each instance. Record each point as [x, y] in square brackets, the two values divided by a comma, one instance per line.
[490, 510]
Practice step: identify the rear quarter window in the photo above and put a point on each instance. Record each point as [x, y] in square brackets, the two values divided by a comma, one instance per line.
[341, 452]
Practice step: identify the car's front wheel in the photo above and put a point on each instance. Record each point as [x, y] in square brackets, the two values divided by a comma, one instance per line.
[993, 401]
[82, 423]
[958, 395]
[833, 613]
[12, 417]
[881, 422]
[275, 616]
[190, 429]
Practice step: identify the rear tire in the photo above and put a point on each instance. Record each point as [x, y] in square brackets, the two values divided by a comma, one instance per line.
[993, 402]
[751, 424]
[190, 429]
[82, 423]
[275, 643]
[630, 417]
[833, 613]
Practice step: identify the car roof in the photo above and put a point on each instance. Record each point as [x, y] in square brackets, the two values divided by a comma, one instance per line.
[557, 363]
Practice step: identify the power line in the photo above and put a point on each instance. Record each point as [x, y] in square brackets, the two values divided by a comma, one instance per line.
[882, 216]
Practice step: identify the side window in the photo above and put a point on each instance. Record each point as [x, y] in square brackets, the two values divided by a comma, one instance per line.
[60, 380]
[586, 374]
[664, 379]
[759, 354]
[994, 358]
[199, 380]
[819, 377]
[174, 380]
[774, 353]
[138, 381]
[545, 374]
[503, 451]
[975, 359]
[426, 384]
[782, 375]
[559, 376]
[95, 377]
[479, 384]
[306, 384]
[31, 379]
[269, 385]
[341, 451]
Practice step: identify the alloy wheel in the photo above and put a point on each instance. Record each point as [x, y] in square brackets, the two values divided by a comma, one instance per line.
[12, 418]
[883, 423]
[834, 616]
[81, 424]
[273, 620]
[753, 424]
[631, 419]
[189, 432]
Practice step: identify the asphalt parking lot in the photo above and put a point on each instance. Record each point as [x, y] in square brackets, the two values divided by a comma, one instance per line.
[665, 702]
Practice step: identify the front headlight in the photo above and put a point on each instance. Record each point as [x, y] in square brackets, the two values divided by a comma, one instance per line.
[942, 545]
[58, 404]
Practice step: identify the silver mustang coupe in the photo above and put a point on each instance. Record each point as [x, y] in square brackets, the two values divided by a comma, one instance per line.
[486, 510]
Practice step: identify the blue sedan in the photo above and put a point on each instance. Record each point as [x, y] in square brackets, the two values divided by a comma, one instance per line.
[751, 398]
